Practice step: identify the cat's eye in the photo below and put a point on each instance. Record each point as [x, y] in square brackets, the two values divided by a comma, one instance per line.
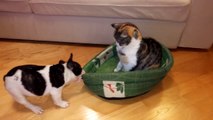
[124, 34]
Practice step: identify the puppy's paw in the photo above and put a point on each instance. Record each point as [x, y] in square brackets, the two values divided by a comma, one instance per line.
[63, 104]
[37, 109]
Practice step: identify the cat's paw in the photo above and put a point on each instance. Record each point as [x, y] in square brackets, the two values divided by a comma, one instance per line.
[116, 70]
[63, 104]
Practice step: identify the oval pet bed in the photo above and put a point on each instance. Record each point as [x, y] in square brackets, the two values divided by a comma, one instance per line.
[101, 79]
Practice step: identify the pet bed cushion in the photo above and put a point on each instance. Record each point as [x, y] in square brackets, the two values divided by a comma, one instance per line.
[173, 10]
[101, 79]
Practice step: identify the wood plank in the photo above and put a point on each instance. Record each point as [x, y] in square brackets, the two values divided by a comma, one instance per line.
[185, 93]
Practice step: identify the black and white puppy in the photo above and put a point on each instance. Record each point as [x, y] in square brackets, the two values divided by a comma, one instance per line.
[33, 80]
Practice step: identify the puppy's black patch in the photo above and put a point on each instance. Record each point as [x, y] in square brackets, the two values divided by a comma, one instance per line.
[75, 67]
[61, 62]
[33, 82]
[23, 67]
[31, 79]
[56, 75]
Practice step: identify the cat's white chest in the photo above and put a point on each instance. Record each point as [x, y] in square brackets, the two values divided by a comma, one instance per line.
[128, 54]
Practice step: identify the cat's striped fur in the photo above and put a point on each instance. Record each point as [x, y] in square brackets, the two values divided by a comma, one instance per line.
[134, 51]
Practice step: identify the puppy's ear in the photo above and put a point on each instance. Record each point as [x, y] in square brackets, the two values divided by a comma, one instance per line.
[61, 62]
[71, 57]
[116, 25]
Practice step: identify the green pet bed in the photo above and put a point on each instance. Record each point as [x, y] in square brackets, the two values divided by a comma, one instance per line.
[100, 78]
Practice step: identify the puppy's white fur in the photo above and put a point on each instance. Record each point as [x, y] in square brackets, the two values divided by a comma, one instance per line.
[14, 86]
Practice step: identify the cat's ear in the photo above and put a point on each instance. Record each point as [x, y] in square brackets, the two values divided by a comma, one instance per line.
[116, 25]
[71, 57]
[61, 62]
[135, 34]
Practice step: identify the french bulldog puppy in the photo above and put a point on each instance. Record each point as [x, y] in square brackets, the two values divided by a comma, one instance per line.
[34, 80]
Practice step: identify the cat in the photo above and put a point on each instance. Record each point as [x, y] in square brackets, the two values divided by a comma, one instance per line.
[134, 51]
[34, 80]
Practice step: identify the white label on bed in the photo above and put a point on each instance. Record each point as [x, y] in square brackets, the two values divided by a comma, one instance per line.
[114, 89]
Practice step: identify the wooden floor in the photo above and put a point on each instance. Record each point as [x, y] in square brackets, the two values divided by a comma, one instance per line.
[185, 94]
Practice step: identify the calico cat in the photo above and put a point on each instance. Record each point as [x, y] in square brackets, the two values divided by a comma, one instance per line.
[134, 51]
[34, 80]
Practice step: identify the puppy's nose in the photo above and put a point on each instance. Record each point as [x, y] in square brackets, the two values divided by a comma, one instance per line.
[83, 72]
[79, 78]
